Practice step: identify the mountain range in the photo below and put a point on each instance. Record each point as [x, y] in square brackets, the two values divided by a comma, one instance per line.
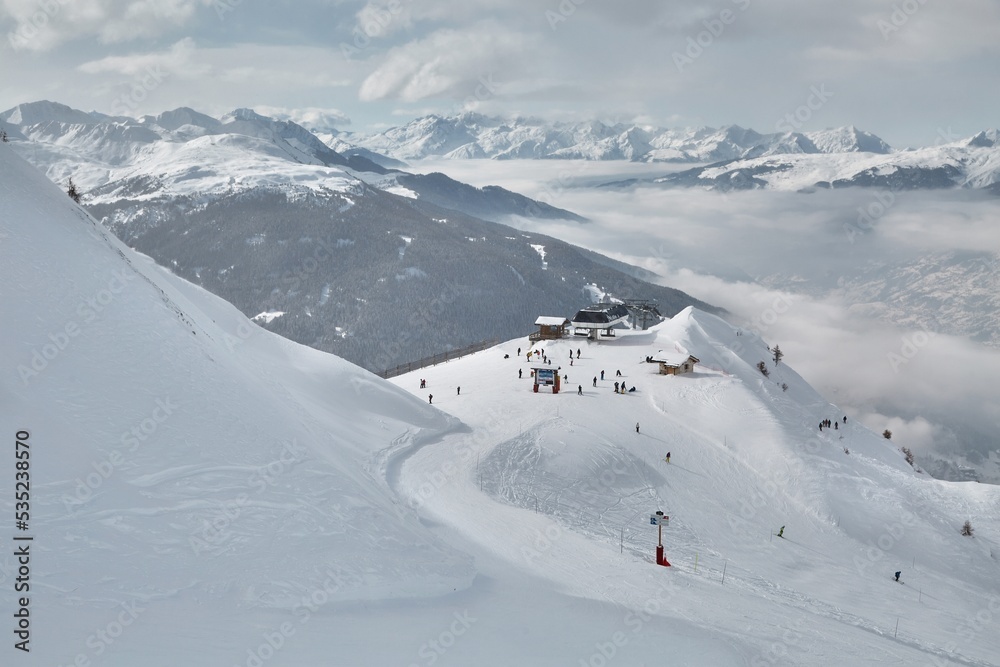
[728, 158]
[377, 265]
[473, 135]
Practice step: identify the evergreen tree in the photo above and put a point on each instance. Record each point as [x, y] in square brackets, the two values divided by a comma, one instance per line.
[967, 528]
[908, 455]
[887, 434]
[778, 354]
[73, 193]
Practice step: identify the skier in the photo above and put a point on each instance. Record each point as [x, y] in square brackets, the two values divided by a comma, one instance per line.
[637, 427]
[667, 459]
[459, 393]
[595, 380]
[577, 353]
[519, 352]
[616, 387]
[602, 375]
[430, 398]
[618, 374]
[781, 532]
[519, 371]
[835, 426]
[897, 575]
[579, 390]
[845, 419]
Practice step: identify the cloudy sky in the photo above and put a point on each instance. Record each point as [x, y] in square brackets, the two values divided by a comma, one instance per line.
[912, 71]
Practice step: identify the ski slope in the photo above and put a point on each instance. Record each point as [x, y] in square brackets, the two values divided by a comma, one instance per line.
[561, 487]
[206, 493]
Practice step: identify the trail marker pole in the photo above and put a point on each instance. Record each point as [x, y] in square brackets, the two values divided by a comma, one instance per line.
[696, 562]
[658, 520]
[724, 572]
[897, 628]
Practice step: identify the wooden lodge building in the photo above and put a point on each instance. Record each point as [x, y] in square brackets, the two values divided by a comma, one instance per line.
[675, 363]
[550, 328]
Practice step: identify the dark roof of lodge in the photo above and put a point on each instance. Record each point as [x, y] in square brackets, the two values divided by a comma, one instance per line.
[601, 313]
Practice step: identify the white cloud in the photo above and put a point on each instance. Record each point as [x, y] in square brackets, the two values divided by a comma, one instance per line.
[43, 26]
[449, 63]
[180, 60]
[309, 117]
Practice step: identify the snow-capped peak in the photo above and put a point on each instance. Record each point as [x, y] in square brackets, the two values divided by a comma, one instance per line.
[44, 111]
[848, 139]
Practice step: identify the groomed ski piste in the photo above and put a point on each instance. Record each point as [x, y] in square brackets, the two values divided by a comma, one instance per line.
[206, 493]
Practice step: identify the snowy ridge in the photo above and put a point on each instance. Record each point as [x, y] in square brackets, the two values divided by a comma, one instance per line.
[472, 135]
[177, 153]
[966, 164]
[186, 154]
[167, 429]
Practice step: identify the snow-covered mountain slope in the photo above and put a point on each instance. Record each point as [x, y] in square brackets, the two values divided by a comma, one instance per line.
[375, 278]
[473, 135]
[183, 460]
[205, 493]
[972, 163]
[185, 153]
[848, 140]
[562, 487]
[955, 293]
[738, 158]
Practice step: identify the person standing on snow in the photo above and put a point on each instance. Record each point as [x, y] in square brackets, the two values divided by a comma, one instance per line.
[897, 575]
[637, 427]
[579, 390]
[781, 532]
[667, 458]
[459, 393]
[430, 398]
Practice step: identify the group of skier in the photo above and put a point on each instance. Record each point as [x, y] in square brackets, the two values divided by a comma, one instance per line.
[826, 423]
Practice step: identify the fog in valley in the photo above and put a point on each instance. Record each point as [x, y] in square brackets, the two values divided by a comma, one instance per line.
[885, 301]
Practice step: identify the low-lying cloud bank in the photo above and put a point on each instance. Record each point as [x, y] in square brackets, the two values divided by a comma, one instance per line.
[876, 297]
